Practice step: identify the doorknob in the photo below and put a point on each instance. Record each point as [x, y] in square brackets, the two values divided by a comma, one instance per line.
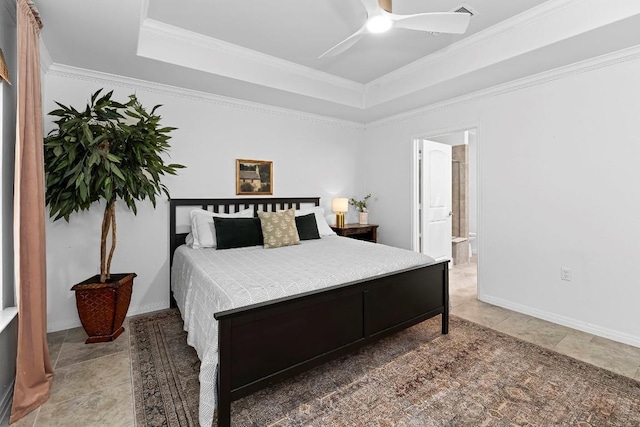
[450, 213]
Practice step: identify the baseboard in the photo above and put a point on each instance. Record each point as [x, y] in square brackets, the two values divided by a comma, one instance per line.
[564, 321]
[62, 325]
[148, 308]
[5, 406]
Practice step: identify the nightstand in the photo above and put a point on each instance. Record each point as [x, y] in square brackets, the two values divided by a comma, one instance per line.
[367, 232]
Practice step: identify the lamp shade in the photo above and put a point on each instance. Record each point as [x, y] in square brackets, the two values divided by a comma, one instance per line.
[340, 204]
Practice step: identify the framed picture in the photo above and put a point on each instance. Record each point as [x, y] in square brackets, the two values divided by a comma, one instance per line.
[254, 177]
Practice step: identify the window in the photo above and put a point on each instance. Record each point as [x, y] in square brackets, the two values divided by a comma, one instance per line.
[8, 96]
[7, 119]
[2, 124]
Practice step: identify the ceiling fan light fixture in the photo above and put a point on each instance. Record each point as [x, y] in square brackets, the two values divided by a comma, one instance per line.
[379, 24]
[381, 19]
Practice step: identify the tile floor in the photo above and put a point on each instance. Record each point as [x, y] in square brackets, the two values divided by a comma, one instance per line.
[84, 394]
[621, 358]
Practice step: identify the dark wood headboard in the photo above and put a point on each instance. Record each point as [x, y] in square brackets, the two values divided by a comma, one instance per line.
[269, 204]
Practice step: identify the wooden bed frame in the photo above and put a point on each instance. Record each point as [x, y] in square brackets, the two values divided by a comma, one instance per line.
[290, 335]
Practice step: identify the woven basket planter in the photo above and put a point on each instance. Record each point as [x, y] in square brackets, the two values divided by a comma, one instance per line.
[102, 307]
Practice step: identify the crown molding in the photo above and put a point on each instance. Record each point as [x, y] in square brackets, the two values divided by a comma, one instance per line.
[525, 18]
[545, 25]
[169, 43]
[361, 95]
[144, 11]
[246, 53]
[612, 59]
[101, 78]
[604, 61]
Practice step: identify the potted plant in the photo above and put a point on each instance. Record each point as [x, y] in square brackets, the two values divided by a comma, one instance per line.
[102, 153]
[361, 206]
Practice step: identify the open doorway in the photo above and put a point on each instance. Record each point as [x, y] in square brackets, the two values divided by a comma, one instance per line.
[446, 204]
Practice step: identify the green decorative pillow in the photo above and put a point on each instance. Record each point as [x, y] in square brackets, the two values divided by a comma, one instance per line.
[307, 227]
[237, 232]
[279, 228]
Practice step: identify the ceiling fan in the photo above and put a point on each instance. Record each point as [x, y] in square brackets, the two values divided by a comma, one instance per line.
[380, 19]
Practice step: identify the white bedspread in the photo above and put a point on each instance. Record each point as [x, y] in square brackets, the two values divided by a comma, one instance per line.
[206, 281]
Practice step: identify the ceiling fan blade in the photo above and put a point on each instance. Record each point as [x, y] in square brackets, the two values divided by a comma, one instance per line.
[346, 43]
[371, 6]
[438, 22]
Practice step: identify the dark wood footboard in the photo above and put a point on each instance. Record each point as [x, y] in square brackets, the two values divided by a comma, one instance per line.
[266, 343]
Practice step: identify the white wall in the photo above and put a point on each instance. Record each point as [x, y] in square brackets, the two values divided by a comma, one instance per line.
[556, 165]
[558, 161]
[312, 156]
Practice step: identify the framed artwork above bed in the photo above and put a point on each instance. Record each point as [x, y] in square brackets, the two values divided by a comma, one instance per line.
[254, 177]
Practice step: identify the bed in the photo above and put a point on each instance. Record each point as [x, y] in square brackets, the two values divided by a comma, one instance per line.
[267, 333]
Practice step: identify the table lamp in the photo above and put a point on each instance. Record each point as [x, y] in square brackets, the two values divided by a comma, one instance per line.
[340, 205]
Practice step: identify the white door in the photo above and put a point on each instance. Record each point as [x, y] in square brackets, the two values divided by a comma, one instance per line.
[436, 200]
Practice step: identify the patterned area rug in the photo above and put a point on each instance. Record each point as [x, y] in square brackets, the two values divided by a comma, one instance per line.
[472, 377]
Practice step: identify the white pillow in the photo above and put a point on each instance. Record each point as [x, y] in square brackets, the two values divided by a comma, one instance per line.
[203, 230]
[189, 240]
[323, 227]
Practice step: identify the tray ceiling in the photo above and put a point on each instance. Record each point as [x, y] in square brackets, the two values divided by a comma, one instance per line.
[268, 52]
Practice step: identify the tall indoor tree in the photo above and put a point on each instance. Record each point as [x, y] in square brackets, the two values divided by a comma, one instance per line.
[105, 152]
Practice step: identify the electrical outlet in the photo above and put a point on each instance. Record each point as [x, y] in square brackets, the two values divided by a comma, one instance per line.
[565, 273]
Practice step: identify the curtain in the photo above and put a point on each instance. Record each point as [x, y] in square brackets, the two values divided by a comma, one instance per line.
[34, 374]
